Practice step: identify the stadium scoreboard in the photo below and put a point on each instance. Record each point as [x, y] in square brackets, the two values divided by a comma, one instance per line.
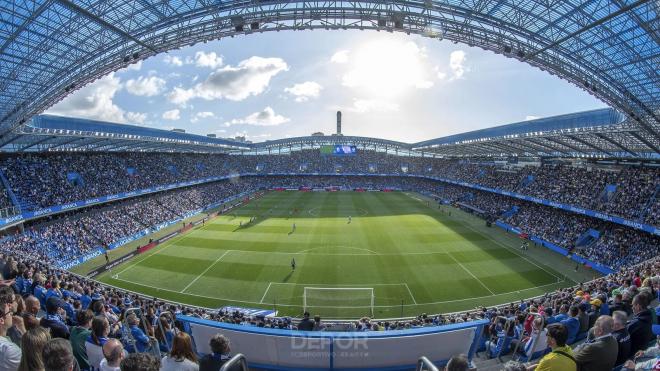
[339, 150]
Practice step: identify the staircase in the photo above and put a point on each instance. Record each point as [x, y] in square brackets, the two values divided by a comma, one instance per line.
[649, 204]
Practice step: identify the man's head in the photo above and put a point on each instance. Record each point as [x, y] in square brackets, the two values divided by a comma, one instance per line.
[603, 326]
[32, 305]
[639, 303]
[113, 351]
[620, 319]
[457, 363]
[573, 311]
[53, 304]
[84, 318]
[7, 307]
[58, 355]
[132, 320]
[140, 362]
[557, 335]
[219, 344]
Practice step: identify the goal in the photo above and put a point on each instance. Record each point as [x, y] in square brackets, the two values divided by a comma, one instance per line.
[328, 301]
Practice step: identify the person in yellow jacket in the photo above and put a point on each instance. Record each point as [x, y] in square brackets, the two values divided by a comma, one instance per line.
[561, 358]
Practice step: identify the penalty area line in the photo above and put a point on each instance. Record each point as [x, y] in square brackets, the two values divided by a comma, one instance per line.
[205, 270]
[265, 292]
[411, 295]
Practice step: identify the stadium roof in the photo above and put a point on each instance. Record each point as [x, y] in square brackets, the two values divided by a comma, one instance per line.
[50, 48]
[601, 133]
[597, 133]
[55, 133]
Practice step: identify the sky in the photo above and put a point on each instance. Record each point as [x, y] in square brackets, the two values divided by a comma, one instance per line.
[286, 84]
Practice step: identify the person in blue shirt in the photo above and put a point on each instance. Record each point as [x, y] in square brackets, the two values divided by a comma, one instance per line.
[68, 308]
[40, 291]
[54, 320]
[563, 310]
[572, 324]
[54, 290]
[142, 341]
[85, 299]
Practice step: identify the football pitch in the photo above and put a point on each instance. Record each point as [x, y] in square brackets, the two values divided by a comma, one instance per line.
[410, 255]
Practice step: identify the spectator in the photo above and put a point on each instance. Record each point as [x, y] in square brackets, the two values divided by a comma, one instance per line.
[561, 358]
[220, 349]
[601, 353]
[10, 353]
[645, 360]
[54, 318]
[572, 325]
[457, 363]
[142, 341]
[622, 336]
[306, 324]
[79, 335]
[58, 356]
[113, 354]
[640, 326]
[95, 341]
[32, 305]
[33, 342]
[140, 362]
[182, 357]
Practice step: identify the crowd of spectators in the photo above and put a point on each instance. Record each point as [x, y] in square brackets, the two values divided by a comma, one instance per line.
[68, 236]
[43, 180]
[39, 303]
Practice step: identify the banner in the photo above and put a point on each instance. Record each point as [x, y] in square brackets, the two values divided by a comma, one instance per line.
[112, 264]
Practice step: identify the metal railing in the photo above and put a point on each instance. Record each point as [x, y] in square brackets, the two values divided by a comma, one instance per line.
[423, 363]
[241, 361]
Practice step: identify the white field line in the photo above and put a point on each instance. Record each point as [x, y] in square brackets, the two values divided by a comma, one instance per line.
[206, 270]
[471, 274]
[295, 305]
[265, 292]
[147, 257]
[371, 252]
[513, 251]
[411, 295]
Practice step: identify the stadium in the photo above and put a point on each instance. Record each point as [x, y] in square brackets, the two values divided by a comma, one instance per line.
[127, 246]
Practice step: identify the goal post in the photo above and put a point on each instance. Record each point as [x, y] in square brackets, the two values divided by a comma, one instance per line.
[328, 301]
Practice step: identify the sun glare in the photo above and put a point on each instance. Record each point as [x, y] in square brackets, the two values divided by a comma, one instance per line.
[387, 68]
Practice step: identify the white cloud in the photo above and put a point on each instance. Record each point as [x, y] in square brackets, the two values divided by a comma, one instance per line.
[267, 117]
[94, 101]
[136, 117]
[531, 117]
[340, 57]
[250, 77]
[174, 61]
[304, 91]
[211, 60]
[180, 96]
[457, 64]
[441, 75]
[172, 114]
[202, 115]
[145, 86]
[373, 105]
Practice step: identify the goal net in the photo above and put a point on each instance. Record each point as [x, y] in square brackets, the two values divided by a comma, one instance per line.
[337, 301]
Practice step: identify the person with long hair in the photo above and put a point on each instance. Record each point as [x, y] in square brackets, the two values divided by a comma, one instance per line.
[96, 340]
[182, 357]
[33, 341]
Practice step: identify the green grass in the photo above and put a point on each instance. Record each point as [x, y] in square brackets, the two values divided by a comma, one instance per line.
[416, 257]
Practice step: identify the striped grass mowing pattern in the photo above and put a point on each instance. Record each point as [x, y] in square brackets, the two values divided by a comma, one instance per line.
[416, 257]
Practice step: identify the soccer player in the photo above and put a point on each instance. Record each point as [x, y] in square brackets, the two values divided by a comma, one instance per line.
[294, 228]
[349, 219]
[293, 264]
